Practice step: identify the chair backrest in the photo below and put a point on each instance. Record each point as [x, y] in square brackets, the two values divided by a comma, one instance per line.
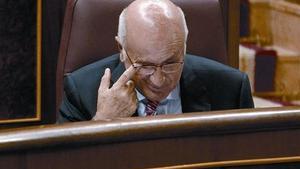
[91, 25]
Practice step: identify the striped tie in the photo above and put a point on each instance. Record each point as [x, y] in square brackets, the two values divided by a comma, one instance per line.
[151, 108]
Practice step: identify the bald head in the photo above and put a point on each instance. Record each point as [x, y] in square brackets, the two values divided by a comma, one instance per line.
[153, 33]
[154, 20]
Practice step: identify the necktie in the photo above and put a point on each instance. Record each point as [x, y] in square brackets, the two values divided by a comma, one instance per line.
[151, 107]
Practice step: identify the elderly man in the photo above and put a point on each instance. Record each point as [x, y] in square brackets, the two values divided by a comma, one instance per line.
[152, 75]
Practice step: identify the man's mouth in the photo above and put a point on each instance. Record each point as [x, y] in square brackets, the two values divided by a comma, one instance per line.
[155, 89]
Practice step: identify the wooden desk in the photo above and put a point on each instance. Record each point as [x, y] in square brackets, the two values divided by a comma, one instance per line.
[206, 139]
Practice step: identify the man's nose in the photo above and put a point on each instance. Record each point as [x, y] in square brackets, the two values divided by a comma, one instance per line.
[158, 78]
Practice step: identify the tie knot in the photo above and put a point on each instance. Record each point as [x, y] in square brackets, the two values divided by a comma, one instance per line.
[151, 107]
[153, 103]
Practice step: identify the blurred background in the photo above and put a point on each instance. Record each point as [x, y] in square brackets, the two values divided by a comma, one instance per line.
[269, 50]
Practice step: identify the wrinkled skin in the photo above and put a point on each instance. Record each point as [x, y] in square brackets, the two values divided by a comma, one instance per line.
[121, 93]
[154, 36]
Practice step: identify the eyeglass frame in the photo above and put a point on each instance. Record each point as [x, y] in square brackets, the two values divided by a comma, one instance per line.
[154, 66]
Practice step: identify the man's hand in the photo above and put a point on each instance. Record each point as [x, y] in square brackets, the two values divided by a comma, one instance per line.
[118, 101]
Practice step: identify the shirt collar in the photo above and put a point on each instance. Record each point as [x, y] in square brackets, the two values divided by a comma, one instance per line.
[173, 95]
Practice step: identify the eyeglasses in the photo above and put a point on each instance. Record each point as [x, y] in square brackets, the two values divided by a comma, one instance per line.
[150, 69]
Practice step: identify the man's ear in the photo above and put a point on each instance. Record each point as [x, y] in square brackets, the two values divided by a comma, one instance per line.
[122, 58]
[118, 40]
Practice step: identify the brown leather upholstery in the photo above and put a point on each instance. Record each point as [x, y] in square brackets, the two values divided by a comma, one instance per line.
[91, 25]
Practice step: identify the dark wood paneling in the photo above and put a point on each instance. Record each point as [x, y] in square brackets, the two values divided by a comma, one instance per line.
[53, 14]
[52, 20]
[18, 68]
[233, 32]
[157, 141]
[231, 16]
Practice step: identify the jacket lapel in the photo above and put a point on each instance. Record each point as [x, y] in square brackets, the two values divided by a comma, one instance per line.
[194, 96]
[117, 72]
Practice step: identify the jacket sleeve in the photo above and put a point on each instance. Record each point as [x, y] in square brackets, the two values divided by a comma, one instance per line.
[246, 100]
[70, 109]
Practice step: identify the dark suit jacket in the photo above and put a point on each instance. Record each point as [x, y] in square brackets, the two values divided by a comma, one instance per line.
[204, 85]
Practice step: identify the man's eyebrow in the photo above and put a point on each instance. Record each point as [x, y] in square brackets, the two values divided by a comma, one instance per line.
[170, 59]
[146, 63]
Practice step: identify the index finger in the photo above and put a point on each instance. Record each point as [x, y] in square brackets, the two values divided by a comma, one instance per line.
[126, 76]
[105, 80]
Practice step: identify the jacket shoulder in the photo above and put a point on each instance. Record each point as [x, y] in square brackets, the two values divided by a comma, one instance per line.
[108, 62]
[226, 87]
[205, 64]
[81, 86]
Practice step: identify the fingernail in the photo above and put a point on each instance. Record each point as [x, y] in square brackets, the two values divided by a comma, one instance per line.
[130, 83]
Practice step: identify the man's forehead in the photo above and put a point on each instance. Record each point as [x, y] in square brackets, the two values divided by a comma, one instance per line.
[142, 36]
[159, 55]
